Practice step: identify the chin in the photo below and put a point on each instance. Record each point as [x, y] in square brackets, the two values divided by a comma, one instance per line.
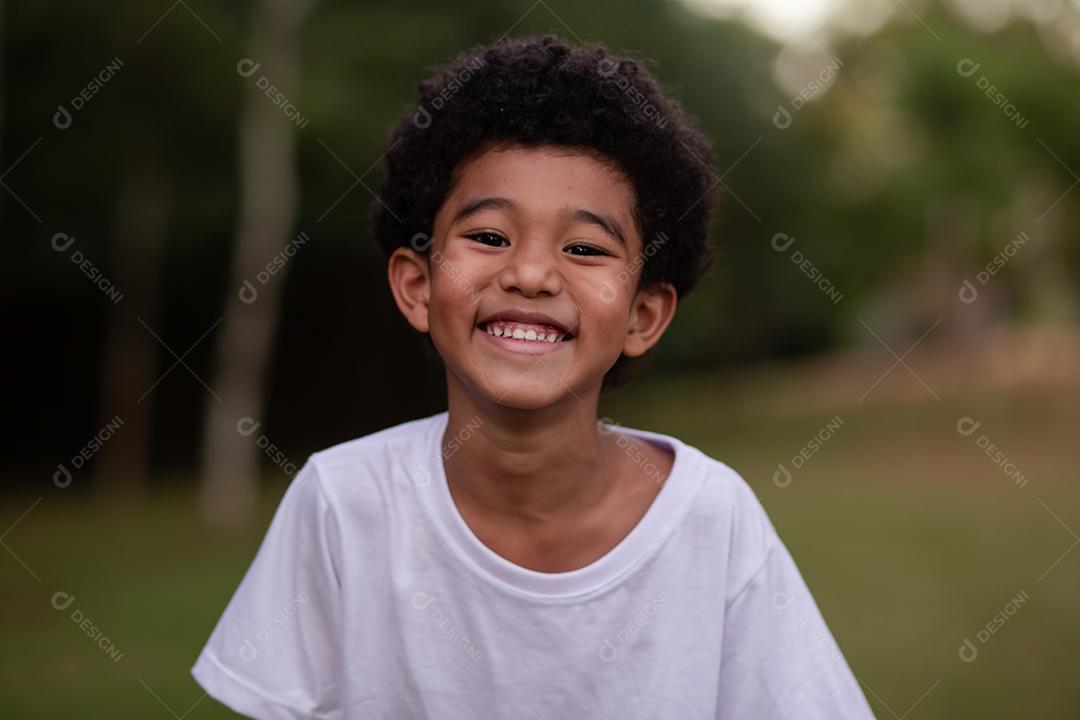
[534, 388]
[532, 393]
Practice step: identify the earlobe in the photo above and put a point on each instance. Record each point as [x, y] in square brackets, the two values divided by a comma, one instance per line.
[410, 283]
[650, 314]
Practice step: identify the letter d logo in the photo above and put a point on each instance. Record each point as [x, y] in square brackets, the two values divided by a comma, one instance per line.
[58, 242]
[246, 426]
[248, 294]
[247, 67]
[607, 293]
[782, 477]
[782, 118]
[784, 243]
[61, 118]
[421, 118]
[966, 426]
[968, 294]
[967, 67]
[62, 477]
[781, 600]
[420, 242]
[62, 600]
[248, 651]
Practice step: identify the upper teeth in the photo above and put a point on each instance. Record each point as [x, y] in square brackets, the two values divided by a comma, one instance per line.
[523, 331]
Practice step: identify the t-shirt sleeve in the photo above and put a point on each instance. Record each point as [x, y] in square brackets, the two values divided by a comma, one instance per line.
[779, 660]
[275, 653]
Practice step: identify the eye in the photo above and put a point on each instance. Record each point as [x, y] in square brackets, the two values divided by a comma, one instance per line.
[586, 250]
[486, 237]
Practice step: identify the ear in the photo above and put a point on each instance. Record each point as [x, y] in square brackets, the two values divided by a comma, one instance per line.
[410, 284]
[650, 314]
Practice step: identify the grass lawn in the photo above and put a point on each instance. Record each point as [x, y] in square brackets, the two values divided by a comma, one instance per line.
[909, 535]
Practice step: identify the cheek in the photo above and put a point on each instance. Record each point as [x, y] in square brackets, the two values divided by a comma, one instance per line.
[605, 310]
[463, 273]
[455, 291]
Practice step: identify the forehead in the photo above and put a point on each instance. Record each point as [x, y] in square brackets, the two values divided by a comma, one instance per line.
[543, 180]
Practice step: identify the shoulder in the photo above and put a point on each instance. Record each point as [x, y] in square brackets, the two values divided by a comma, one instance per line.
[728, 512]
[362, 466]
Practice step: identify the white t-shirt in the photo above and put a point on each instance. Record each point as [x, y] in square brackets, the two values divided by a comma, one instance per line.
[370, 598]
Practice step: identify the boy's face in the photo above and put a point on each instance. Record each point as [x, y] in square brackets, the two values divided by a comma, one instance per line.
[530, 285]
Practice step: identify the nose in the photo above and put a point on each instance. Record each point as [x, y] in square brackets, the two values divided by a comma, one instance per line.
[531, 269]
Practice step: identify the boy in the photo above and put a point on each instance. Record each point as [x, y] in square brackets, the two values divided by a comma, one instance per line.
[543, 209]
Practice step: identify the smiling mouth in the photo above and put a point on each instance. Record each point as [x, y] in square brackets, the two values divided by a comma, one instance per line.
[526, 332]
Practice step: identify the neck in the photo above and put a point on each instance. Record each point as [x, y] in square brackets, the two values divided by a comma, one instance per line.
[528, 466]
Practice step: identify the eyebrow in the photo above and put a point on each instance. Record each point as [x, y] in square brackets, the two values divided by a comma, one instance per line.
[605, 222]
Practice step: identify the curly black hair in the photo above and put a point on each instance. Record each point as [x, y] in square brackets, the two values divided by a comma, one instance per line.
[541, 90]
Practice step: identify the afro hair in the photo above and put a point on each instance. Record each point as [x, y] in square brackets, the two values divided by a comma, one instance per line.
[541, 90]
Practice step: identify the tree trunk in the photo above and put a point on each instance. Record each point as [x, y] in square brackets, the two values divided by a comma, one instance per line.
[131, 352]
[266, 216]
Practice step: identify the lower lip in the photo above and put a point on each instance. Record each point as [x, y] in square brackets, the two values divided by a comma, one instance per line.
[524, 347]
